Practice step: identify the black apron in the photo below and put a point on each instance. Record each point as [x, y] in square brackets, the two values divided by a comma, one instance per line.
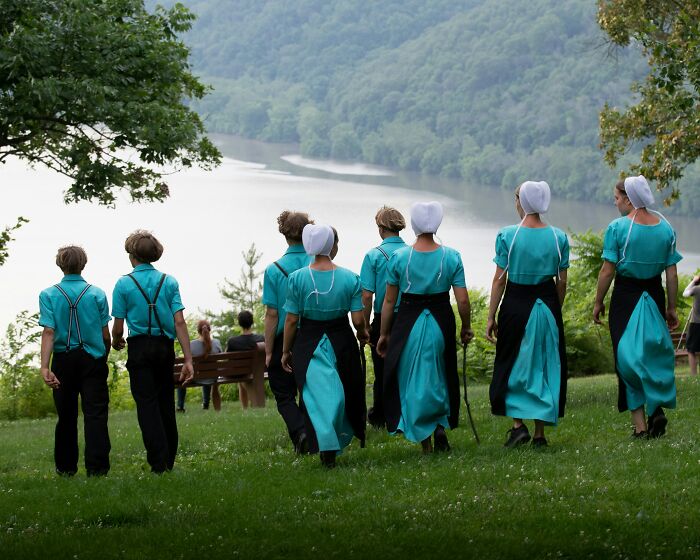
[410, 308]
[624, 299]
[516, 307]
[347, 353]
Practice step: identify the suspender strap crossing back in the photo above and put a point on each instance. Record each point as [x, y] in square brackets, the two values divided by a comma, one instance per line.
[73, 315]
[282, 270]
[383, 252]
[152, 311]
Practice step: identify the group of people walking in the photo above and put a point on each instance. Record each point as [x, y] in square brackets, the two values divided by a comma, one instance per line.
[314, 361]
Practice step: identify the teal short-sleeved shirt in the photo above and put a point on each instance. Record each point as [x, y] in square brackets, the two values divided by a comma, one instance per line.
[650, 249]
[430, 272]
[345, 293]
[93, 315]
[534, 257]
[129, 304]
[373, 271]
[275, 282]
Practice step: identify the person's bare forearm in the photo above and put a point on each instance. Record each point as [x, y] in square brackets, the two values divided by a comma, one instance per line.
[672, 286]
[290, 332]
[605, 278]
[498, 286]
[183, 336]
[464, 307]
[561, 286]
[271, 321]
[388, 309]
[367, 300]
[47, 338]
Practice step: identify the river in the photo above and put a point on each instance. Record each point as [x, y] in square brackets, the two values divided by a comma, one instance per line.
[212, 217]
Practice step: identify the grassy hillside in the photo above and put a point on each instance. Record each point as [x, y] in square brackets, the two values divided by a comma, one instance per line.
[239, 492]
[490, 91]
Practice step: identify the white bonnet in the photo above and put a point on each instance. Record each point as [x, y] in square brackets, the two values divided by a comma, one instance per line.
[318, 239]
[426, 217]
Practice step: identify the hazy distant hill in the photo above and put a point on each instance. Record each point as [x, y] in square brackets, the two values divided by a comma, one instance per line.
[493, 91]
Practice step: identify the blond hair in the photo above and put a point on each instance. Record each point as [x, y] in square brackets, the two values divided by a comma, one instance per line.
[390, 218]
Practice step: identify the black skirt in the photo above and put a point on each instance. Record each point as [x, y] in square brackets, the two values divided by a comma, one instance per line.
[624, 299]
[347, 353]
[411, 306]
[513, 316]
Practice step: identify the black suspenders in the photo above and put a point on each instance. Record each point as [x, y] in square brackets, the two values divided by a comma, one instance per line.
[151, 304]
[73, 313]
[282, 270]
[383, 252]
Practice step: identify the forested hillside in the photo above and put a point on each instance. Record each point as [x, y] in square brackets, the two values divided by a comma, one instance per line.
[491, 91]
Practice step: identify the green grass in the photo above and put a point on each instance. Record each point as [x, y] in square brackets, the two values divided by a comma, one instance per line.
[239, 492]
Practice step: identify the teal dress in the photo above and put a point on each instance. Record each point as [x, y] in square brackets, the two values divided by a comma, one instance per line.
[532, 257]
[325, 297]
[421, 370]
[644, 355]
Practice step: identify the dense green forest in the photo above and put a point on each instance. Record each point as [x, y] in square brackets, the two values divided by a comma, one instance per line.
[490, 91]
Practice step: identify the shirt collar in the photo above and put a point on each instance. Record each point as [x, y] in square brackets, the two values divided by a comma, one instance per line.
[144, 266]
[73, 278]
[394, 239]
[295, 249]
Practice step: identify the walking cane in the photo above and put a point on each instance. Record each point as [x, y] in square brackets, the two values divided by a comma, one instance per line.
[680, 340]
[363, 361]
[466, 397]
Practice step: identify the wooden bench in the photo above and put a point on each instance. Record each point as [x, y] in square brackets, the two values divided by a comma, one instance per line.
[681, 353]
[245, 366]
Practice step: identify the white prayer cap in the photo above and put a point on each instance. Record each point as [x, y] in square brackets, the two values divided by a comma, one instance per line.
[426, 217]
[318, 239]
[535, 197]
[639, 191]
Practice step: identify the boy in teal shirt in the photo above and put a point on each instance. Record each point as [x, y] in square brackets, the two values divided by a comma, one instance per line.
[149, 301]
[75, 316]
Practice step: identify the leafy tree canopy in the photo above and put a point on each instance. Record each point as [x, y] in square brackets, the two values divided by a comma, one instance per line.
[666, 118]
[85, 85]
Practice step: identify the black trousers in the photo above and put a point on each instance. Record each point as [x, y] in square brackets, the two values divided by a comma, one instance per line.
[150, 363]
[81, 374]
[284, 388]
[376, 413]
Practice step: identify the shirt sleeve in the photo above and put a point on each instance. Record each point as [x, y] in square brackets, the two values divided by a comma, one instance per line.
[292, 303]
[118, 301]
[176, 300]
[368, 276]
[269, 295]
[215, 346]
[565, 250]
[501, 258]
[392, 270]
[611, 250]
[103, 307]
[674, 256]
[356, 299]
[458, 280]
[46, 317]
[691, 289]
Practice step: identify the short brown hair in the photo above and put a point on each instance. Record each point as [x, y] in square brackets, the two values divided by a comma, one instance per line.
[291, 224]
[143, 246]
[390, 218]
[71, 259]
[620, 186]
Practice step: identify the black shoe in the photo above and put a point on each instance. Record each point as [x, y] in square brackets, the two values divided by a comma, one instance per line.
[441, 443]
[301, 447]
[539, 442]
[657, 423]
[328, 459]
[66, 474]
[375, 419]
[205, 406]
[640, 435]
[179, 410]
[518, 436]
[98, 472]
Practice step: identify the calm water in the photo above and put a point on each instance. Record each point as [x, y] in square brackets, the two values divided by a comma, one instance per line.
[212, 217]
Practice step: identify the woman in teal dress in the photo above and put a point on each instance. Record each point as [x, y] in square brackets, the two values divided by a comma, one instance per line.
[421, 386]
[529, 374]
[319, 347]
[637, 248]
